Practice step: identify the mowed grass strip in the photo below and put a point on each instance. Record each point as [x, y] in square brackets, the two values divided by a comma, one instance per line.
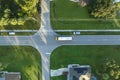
[26, 60]
[82, 25]
[83, 55]
[66, 14]
[59, 78]
[29, 25]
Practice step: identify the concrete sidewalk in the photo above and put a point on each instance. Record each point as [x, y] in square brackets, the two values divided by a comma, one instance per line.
[92, 30]
[18, 30]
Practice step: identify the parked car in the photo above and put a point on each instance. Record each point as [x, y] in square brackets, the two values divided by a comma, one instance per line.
[11, 33]
[76, 32]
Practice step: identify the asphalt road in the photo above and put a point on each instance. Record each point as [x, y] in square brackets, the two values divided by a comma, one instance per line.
[44, 40]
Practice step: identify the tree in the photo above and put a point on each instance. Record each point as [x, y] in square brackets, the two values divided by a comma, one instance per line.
[111, 70]
[16, 12]
[27, 5]
[105, 76]
[4, 21]
[103, 8]
[13, 21]
[21, 21]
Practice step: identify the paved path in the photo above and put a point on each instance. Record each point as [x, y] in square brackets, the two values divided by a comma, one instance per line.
[90, 30]
[44, 41]
[18, 30]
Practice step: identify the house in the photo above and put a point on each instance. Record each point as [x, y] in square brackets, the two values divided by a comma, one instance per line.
[79, 72]
[10, 76]
[75, 72]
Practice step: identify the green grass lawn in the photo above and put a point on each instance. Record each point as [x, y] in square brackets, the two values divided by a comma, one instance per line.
[83, 55]
[65, 9]
[59, 78]
[26, 60]
[69, 15]
[29, 25]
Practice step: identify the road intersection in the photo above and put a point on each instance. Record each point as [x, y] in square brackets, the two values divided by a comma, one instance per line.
[44, 40]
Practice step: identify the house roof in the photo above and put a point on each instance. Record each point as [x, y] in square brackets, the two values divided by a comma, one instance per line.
[79, 73]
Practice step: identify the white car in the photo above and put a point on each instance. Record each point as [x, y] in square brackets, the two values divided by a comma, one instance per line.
[76, 32]
[11, 33]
